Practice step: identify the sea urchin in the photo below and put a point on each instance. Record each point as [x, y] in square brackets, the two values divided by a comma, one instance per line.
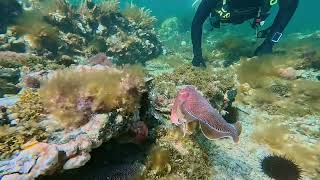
[280, 168]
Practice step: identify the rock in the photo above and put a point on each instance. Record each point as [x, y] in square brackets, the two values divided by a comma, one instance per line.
[288, 73]
[77, 161]
[13, 123]
[18, 45]
[8, 88]
[8, 101]
[183, 43]
[8, 78]
[10, 75]
[67, 149]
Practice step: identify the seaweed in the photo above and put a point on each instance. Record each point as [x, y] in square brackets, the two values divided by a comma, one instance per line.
[29, 107]
[73, 96]
[212, 83]
[278, 138]
[109, 7]
[40, 33]
[140, 16]
[171, 156]
[28, 112]
[234, 48]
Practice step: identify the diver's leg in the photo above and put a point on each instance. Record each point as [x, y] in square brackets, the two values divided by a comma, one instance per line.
[202, 13]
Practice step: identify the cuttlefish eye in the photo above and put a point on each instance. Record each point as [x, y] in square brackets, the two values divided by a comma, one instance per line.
[184, 94]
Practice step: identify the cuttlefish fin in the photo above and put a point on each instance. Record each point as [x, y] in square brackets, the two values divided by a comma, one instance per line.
[212, 134]
[238, 127]
[208, 132]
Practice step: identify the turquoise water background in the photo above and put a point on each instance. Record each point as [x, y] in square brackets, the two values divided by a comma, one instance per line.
[306, 18]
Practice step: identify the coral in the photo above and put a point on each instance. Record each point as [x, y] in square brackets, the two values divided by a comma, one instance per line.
[280, 168]
[172, 155]
[72, 96]
[141, 16]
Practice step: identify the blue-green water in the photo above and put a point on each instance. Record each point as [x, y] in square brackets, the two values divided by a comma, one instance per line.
[306, 18]
[269, 105]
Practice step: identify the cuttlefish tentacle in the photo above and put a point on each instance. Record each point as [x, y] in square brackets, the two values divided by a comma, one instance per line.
[183, 120]
[212, 124]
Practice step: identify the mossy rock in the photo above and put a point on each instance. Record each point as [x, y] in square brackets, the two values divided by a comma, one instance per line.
[211, 82]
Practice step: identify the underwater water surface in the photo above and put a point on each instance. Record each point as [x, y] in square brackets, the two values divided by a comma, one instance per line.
[106, 89]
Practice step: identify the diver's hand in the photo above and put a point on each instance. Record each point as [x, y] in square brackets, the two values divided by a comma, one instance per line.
[198, 62]
[264, 48]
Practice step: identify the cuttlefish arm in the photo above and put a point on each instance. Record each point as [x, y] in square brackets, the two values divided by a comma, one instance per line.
[212, 124]
[183, 119]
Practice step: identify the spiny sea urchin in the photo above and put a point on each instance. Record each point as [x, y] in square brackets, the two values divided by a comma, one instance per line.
[280, 168]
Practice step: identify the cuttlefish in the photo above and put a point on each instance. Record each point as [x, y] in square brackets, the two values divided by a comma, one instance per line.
[191, 106]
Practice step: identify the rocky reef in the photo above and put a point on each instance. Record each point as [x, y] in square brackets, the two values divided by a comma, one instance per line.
[9, 10]
[14, 66]
[56, 30]
[43, 141]
[67, 109]
[213, 83]
[171, 155]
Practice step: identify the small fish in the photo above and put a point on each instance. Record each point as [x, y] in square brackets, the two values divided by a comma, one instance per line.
[190, 106]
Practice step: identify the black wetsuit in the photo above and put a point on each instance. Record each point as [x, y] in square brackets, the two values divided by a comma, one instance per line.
[286, 11]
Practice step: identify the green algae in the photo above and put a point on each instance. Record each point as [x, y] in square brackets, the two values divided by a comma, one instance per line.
[212, 83]
[176, 156]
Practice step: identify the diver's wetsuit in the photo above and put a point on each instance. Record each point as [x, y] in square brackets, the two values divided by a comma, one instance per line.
[286, 11]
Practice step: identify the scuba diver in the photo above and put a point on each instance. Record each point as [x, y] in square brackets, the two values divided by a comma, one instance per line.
[237, 12]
